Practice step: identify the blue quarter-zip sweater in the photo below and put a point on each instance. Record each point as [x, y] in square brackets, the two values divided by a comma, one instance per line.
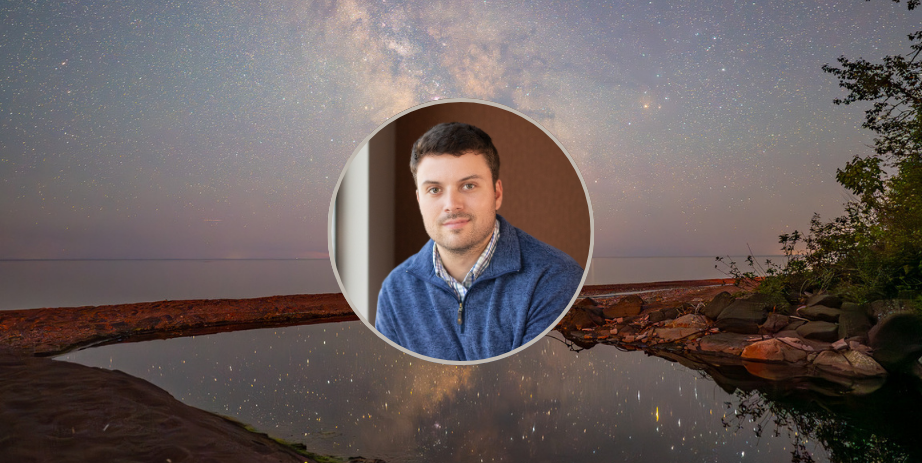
[526, 286]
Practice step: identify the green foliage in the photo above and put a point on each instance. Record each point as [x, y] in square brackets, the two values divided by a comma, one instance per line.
[874, 250]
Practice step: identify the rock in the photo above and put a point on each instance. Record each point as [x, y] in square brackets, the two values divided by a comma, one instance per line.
[855, 345]
[742, 316]
[854, 322]
[820, 313]
[824, 299]
[773, 350]
[897, 340]
[675, 334]
[820, 331]
[796, 342]
[727, 343]
[851, 306]
[627, 306]
[720, 302]
[582, 317]
[774, 323]
[670, 313]
[840, 345]
[773, 371]
[850, 363]
[884, 308]
[689, 321]
[655, 316]
[586, 302]
[794, 325]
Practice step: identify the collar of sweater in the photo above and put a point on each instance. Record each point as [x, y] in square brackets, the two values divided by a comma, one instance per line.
[506, 259]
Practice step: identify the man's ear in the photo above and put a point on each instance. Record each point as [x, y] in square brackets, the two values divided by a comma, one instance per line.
[498, 191]
[417, 195]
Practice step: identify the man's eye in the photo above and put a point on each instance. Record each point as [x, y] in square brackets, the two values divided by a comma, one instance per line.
[434, 190]
[468, 186]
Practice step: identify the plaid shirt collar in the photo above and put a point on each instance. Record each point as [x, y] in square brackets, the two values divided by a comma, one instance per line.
[483, 261]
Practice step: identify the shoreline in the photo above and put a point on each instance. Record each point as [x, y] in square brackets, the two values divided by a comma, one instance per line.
[100, 414]
[55, 331]
[822, 347]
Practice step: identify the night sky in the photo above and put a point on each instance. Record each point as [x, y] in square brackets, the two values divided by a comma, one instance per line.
[219, 129]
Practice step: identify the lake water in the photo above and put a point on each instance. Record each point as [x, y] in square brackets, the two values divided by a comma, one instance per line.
[70, 283]
[340, 390]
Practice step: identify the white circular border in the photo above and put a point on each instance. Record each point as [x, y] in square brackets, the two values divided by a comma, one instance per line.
[333, 206]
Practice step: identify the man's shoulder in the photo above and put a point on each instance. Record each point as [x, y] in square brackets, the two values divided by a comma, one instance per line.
[413, 269]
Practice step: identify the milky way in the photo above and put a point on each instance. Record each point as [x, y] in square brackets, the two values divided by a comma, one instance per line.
[219, 129]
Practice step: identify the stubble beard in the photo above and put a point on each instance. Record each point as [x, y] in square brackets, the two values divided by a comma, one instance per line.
[460, 246]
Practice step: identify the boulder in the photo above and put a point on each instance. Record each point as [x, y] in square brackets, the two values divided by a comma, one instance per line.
[586, 302]
[820, 331]
[773, 350]
[627, 306]
[720, 302]
[820, 313]
[897, 340]
[727, 343]
[824, 299]
[854, 322]
[675, 334]
[689, 321]
[851, 306]
[742, 316]
[774, 323]
[794, 324]
[881, 309]
[670, 313]
[849, 363]
[582, 317]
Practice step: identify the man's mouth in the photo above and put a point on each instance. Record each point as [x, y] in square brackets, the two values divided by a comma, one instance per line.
[459, 222]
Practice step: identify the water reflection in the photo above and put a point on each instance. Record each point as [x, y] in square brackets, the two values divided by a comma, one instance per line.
[811, 411]
[340, 390]
[882, 427]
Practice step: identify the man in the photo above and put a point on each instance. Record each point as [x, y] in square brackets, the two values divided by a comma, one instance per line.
[480, 287]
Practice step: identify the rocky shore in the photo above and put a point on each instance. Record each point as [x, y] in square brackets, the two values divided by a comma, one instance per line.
[822, 344]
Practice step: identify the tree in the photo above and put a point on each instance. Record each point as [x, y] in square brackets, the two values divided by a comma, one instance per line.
[875, 249]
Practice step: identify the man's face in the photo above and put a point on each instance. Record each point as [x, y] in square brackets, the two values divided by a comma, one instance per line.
[458, 200]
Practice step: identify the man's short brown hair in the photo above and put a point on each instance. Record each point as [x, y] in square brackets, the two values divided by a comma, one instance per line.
[456, 139]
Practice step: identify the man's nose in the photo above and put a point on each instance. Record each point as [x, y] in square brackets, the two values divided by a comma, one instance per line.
[453, 201]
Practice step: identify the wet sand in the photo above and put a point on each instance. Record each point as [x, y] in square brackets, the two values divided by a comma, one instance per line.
[52, 411]
[55, 411]
[53, 331]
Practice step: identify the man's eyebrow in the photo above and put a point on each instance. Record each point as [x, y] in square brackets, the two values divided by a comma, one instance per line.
[470, 177]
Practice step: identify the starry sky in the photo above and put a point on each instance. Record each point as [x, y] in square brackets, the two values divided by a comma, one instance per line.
[219, 129]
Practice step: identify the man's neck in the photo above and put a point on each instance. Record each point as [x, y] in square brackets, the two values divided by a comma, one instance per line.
[457, 265]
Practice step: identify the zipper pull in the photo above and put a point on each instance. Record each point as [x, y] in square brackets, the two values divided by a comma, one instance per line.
[459, 312]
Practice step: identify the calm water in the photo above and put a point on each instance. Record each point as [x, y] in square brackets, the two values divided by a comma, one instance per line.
[73, 283]
[341, 390]
[70, 283]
